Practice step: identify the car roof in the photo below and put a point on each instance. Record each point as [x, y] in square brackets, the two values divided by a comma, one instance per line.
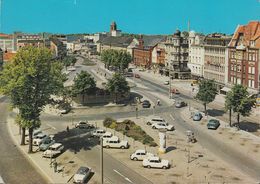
[55, 145]
[115, 138]
[82, 170]
[107, 133]
[140, 151]
[154, 158]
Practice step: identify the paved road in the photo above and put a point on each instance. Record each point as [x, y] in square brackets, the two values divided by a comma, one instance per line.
[14, 167]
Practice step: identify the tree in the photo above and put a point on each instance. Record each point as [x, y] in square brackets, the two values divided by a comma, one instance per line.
[238, 100]
[84, 84]
[68, 61]
[119, 59]
[207, 92]
[30, 80]
[117, 85]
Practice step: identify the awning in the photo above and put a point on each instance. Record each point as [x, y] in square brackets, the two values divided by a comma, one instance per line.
[226, 89]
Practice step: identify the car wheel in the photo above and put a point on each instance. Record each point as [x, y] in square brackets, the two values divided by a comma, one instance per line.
[122, 147]
[154, 127]
[135, 159]
[107, 146]
[149, 167]
[148, 123]
[164, 167]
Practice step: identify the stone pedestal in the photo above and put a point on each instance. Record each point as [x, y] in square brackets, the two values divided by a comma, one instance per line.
[162, 141]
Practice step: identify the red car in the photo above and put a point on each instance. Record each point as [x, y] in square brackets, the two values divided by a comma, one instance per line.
[137, 76]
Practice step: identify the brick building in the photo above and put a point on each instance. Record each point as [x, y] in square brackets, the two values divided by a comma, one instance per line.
[244, 56]
[142, 53]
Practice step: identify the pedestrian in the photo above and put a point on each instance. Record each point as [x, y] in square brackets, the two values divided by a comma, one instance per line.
[55, 166]
[158, 102]
[68, 129]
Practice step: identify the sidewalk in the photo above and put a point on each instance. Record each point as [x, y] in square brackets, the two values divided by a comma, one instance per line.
[67, 160]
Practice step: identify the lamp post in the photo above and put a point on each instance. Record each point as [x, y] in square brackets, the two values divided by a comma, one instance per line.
[101, 160]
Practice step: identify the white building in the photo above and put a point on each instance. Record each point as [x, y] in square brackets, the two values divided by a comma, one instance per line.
[7, 43]
[196, 55]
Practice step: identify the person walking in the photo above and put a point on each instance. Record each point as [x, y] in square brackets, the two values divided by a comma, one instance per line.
[68, 129]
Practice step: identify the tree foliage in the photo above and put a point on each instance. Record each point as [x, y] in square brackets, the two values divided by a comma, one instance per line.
[207, 92]
[117, 85]
[68, 61]
[84, 84]
[118, 59]
[29, 80]
[238, 101]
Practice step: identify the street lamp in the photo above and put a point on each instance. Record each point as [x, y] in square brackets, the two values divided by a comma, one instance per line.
[101, 160]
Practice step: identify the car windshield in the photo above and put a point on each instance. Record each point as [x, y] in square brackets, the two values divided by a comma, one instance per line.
[83, 170]
[213, 121]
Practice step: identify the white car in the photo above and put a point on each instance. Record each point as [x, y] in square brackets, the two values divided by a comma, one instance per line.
[82, 174]
[107, 135]
[115, 142]
[84, 124]
[53, 150]
[163, 125]
[37, 140]
[140, 155]
[98, 132]
[156, 162]
[154, 119]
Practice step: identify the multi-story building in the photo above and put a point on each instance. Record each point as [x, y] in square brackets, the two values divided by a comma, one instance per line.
[57, 47]
[158, 55]
[31, 42]
[196, 55]
[244, 56]
[7, 43]
[142, 53]
[177, 51]
[215, 58]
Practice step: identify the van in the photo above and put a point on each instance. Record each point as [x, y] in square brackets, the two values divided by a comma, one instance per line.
[154, 119]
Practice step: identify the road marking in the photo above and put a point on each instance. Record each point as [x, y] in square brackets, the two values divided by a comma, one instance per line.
[172, 117]
[51, 126]
[1, 180]
[127, 179]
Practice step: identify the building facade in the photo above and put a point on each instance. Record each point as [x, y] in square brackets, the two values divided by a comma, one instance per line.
[158, 55]
[177, 51]
[196, 55]
[142, 53]
[7, 43]
[244, 56]
[216, 58]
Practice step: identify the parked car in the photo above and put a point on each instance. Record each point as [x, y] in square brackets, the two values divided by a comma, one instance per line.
[179, 104]
[83, 124]
[107, 135]
[98, 133]
[175, 91]
[115, 142]
[38, 139]
[154, 119]
[146, 104]
[46, 143]
[163, 125]
[137, 76]
[213, 124]
[82, 174]
[53, 150]
[166, 82]
[64, 111]
[156, 162]
[140, 155]
[197, 116]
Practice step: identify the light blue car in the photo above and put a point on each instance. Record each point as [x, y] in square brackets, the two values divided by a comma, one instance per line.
[197, 116]
[46, 143]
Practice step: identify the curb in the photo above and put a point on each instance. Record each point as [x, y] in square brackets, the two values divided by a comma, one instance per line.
[42, 172]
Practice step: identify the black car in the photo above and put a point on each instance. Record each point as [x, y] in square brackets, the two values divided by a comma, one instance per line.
[146, 104]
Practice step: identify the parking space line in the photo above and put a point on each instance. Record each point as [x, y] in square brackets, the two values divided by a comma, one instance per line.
[51, 126]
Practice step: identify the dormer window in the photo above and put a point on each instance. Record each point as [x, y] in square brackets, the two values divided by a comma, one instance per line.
[252, 43]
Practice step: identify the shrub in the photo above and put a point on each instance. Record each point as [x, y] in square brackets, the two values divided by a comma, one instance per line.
[153, 144]
[147, 139]
[129, 122]
[108, 121]
[113, 125]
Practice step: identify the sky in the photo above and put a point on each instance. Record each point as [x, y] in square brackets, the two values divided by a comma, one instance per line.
[131, 16]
